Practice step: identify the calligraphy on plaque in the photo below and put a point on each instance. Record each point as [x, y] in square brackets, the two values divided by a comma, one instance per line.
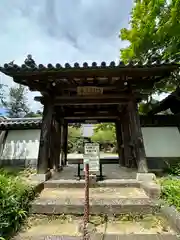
[89, 90]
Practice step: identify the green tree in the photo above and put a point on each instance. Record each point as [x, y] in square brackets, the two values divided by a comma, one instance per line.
[38, 113]
[2, 94]
[154, 34]
[104, 132]
[74, 134]
[17, 102]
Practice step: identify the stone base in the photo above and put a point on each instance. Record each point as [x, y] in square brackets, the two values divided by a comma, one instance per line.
[152, 189]
[42, 177]
[145, 177]
[59, 169]
[148, 184]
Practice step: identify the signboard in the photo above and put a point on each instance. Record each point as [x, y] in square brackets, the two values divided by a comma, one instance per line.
[91, 156]
[89, 90]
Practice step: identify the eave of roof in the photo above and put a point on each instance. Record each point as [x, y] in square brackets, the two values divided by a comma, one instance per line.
[20, 123]
[35, 123]
[14, 70]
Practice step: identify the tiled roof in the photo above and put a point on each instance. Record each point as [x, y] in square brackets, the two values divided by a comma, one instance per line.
[35, 123]
[19, 123]
[29, 67]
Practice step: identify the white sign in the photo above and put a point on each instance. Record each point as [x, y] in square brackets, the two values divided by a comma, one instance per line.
[91, 156]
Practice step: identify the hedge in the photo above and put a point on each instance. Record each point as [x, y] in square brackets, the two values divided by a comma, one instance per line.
[15, 198]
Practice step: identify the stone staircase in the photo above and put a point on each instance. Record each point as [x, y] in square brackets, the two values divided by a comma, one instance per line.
[62, 199]
[106, 197]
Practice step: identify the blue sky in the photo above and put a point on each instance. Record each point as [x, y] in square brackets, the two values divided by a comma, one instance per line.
[61, 31]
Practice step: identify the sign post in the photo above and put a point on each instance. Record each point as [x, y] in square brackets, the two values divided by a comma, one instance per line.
[92, 154]
[91, 164]
[86, 202]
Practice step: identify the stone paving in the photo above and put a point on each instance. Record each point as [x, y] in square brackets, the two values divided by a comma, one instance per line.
[111, 171]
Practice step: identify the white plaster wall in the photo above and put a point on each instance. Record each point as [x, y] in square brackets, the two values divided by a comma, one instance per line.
[161, 141]
[21, 144]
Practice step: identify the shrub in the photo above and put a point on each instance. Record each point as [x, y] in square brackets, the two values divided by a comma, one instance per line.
[173, 168]
[15, 197]
[171, 191]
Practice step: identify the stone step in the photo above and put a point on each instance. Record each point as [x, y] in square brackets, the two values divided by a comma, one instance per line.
[102, 200]
[80, 183]
[105, 237]
[68, 227]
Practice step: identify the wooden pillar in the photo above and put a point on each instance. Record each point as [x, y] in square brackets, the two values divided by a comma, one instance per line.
[138, 138]
[57, 164]
[62, 142]
[44, 145]
[55, 145]
[65, 145]
[125, 121]
[119, 142]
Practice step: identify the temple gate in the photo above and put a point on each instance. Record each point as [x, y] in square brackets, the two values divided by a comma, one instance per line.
[107, 93]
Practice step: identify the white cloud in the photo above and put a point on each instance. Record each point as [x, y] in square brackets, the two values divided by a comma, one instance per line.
[61, 31]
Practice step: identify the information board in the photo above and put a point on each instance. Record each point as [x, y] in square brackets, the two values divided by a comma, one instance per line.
[92, 156]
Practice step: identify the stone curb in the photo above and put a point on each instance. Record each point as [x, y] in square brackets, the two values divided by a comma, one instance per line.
[172, 215]
[81, 183]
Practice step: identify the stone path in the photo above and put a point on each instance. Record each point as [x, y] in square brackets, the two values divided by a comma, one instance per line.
[111, 171]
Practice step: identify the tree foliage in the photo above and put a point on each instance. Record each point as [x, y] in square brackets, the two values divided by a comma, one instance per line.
[38, 113]
[155, 29]
[104, 132]
[2, 94]
[154, 33]
[17, 103]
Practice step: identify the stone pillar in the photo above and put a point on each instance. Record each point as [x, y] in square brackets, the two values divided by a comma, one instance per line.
[138, 138]
[44, 145]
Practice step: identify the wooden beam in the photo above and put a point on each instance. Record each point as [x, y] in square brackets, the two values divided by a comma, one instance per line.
[94, 121]
[91, 117]
[91, 100]
[90, 113]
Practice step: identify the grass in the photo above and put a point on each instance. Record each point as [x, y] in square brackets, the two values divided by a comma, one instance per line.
[15, 197]
[170, 191]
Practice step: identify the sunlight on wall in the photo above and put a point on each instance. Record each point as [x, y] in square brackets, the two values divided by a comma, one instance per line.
[21, 144]
[161, 141]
